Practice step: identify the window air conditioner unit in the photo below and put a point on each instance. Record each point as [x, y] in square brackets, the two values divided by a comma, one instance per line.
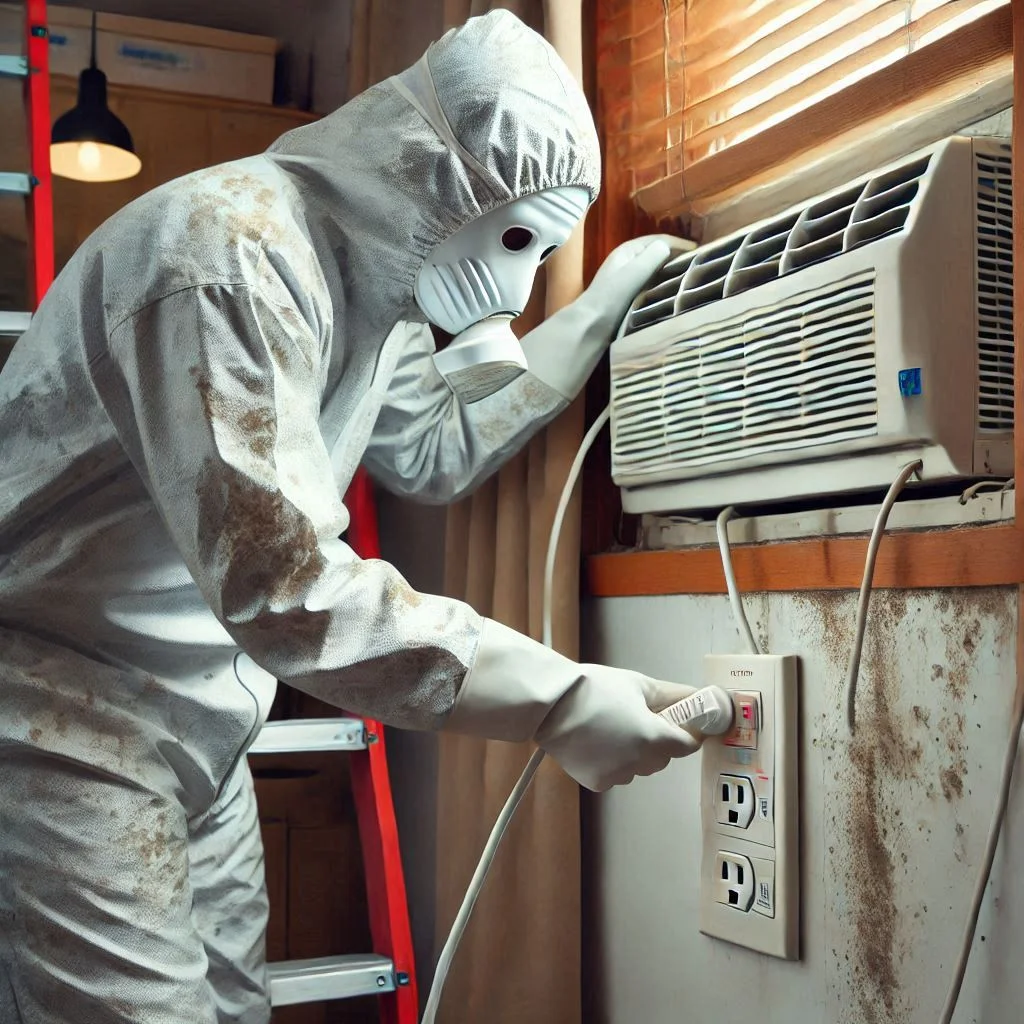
[817, 352]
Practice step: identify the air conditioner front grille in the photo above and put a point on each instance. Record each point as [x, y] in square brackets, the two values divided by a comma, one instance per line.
[994, 234]
[792, 375]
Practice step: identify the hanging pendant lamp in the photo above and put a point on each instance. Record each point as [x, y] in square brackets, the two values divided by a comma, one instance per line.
[90, 143]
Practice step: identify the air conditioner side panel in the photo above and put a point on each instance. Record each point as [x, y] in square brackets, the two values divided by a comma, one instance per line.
[934, 328]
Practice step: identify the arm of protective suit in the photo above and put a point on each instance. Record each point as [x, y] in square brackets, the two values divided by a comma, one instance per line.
[430, 446]
[214, 394]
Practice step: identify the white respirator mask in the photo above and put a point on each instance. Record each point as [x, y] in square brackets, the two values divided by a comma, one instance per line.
[476, 282]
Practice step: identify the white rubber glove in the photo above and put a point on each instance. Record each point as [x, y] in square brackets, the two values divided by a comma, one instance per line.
[600, 724]
[565, 348]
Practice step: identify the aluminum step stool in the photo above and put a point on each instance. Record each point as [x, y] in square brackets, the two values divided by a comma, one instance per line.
[389, 972]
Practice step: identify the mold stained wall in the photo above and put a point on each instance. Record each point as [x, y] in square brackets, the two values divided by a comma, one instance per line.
[893, 821]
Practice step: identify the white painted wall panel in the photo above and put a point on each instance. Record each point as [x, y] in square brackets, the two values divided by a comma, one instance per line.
[894, 820]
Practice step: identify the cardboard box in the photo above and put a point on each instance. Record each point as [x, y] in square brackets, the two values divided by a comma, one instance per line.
[154, 54]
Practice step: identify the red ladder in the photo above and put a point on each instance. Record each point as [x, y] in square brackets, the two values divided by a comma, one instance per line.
[389, 971]
[35, 186]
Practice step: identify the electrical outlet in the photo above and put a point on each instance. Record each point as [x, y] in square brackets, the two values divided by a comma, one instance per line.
[735, 886]
[734, 801]
[750, 809]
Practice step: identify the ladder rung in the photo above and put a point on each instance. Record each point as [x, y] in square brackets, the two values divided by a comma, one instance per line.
[298, 735]
[13, 66]
[13, 324]
[20, 184]
[329, 977]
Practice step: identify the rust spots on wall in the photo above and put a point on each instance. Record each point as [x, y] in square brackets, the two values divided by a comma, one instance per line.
[962, 613]
[835, 611]
[953, 782]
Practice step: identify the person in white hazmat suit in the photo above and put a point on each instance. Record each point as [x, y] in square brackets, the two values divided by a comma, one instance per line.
[179, 424]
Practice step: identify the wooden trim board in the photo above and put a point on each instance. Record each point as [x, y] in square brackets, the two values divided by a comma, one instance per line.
[984, 557]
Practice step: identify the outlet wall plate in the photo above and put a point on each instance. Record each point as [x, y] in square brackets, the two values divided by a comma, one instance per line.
[758, 758]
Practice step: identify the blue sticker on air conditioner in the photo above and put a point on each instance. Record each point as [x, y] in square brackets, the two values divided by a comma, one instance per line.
[910, 382]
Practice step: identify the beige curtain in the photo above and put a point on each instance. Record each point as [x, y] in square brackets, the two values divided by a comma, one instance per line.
[520, 958]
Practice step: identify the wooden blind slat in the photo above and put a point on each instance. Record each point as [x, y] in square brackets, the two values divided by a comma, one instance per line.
[727, 86]
[738, 37]
[749, 64]
[719, 27]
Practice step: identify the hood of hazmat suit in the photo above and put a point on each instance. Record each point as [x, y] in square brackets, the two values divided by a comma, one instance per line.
[180, 423]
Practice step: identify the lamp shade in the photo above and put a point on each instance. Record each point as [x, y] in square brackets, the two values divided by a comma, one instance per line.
[89, 142]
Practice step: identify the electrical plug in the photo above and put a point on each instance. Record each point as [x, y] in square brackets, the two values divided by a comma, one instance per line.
[709, 711]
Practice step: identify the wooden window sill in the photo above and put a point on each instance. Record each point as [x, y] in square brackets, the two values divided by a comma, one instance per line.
[966, 557]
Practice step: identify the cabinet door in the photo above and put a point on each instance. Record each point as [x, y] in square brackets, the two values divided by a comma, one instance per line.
[238, 132]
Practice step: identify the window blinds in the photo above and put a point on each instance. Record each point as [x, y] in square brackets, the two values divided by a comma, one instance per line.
[750, 64]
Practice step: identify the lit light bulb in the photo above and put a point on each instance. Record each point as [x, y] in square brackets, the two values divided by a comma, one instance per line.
[89, 156]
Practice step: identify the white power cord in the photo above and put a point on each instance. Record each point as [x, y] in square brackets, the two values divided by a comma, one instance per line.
[1005, 778]
[974, 490]
[722, 529]
[853, 666]
[476, 884]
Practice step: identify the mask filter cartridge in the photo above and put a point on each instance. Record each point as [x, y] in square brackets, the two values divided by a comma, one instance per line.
[483, 359]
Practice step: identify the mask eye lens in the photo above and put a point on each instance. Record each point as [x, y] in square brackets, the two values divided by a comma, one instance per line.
[517, 239]
[547, 252]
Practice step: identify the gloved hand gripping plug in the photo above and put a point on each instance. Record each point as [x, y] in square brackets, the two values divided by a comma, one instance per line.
[600, 724]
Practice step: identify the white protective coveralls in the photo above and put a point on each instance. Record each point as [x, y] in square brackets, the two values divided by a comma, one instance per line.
[178, 426]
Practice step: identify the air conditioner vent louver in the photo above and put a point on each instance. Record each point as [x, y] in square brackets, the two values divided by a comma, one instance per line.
[856, 216]
[994, 234]
[780, 377]
[658, 302]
